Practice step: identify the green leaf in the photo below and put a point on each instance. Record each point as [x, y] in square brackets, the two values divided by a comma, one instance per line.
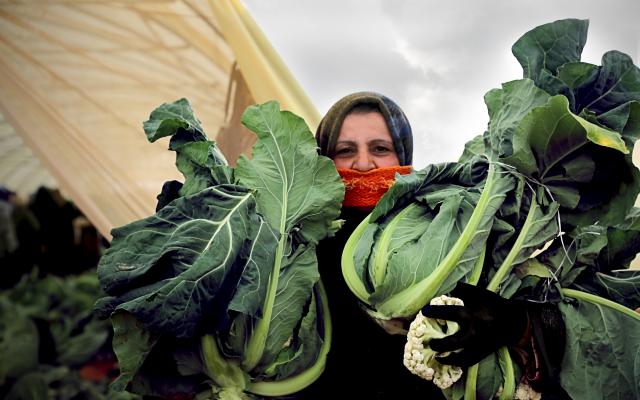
[507, 107]
[540, 226]
[551, 133]
[414, 262]
[551, 145]
[31, 386]
[203, 166]
[197, 158]
[624, 119]
[549, 46]
[532, 267]
[577, 74]
[298, 276]
[132, 343]
[623, 243]
[19, 342]
[419, 184]
[169, 118]
[602, 345]
[474, 147]
[301, 352]
[460, 241]
[159, 376]
[489, 377]
[296, 190]
[229, 253]
[621, 286]
[78, 349]
[618, 83]
[299, 193]
[194, 251]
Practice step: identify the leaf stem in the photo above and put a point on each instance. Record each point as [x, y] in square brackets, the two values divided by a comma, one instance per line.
[225, 373]
[381, 253]
[298, 382]
[348, 266]
[577, 294]
[471, 382]
[507, 264]
[508, 374]
[407, 302]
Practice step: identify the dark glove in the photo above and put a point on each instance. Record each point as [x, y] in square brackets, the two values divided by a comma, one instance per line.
[487, 322]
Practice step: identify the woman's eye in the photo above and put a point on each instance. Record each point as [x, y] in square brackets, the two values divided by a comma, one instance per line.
[381, 149]
[345, 151]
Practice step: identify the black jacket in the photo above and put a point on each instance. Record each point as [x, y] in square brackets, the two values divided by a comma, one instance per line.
[364, 362]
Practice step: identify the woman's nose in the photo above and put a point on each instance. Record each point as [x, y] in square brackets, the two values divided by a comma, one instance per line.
[363, 162]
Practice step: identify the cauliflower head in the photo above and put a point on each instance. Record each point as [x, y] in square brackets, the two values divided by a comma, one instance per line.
[418, 356]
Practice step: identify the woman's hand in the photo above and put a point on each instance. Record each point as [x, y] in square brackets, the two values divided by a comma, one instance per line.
[487, 322]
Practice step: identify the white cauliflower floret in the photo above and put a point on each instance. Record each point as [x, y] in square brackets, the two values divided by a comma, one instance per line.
[523, 392]
[526, 392]
[418, 356]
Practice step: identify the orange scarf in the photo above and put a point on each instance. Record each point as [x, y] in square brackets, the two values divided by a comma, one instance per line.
[364, 189]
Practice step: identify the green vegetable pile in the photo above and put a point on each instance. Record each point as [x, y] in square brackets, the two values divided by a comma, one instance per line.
[49, 336]
[218, 293]
[539, 207]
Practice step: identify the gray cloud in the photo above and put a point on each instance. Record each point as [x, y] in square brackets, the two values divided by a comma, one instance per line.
[436, 61]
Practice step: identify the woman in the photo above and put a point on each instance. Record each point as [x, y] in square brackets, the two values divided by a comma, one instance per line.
[369, 139]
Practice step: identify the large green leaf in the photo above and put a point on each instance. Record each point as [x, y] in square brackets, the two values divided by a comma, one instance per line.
[474, 147]
[185, 261]
[572, 80]
[416, 202]
[160, 374]
[408, 187]
[230, 256]
[296, 190]
[549, 46]
[461, 201]
[550, 134]
[581, 163]
[602, 352]
[299, 193]
[540, 226]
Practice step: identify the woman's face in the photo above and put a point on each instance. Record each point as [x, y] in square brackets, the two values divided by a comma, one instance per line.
[364, 143]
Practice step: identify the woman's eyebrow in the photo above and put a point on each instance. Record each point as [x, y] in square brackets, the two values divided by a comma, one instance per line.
[346, 142]
[381, 141]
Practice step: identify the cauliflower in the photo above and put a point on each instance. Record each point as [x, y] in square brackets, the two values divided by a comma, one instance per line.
[523, 392]
[419, 358]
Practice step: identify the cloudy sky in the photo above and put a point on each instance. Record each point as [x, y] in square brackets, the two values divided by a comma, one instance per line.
[437, 61]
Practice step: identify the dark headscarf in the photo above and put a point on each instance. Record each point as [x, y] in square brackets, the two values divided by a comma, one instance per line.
[329, 128]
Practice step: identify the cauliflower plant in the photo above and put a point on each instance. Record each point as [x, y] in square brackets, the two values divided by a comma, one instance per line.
[418, 356]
